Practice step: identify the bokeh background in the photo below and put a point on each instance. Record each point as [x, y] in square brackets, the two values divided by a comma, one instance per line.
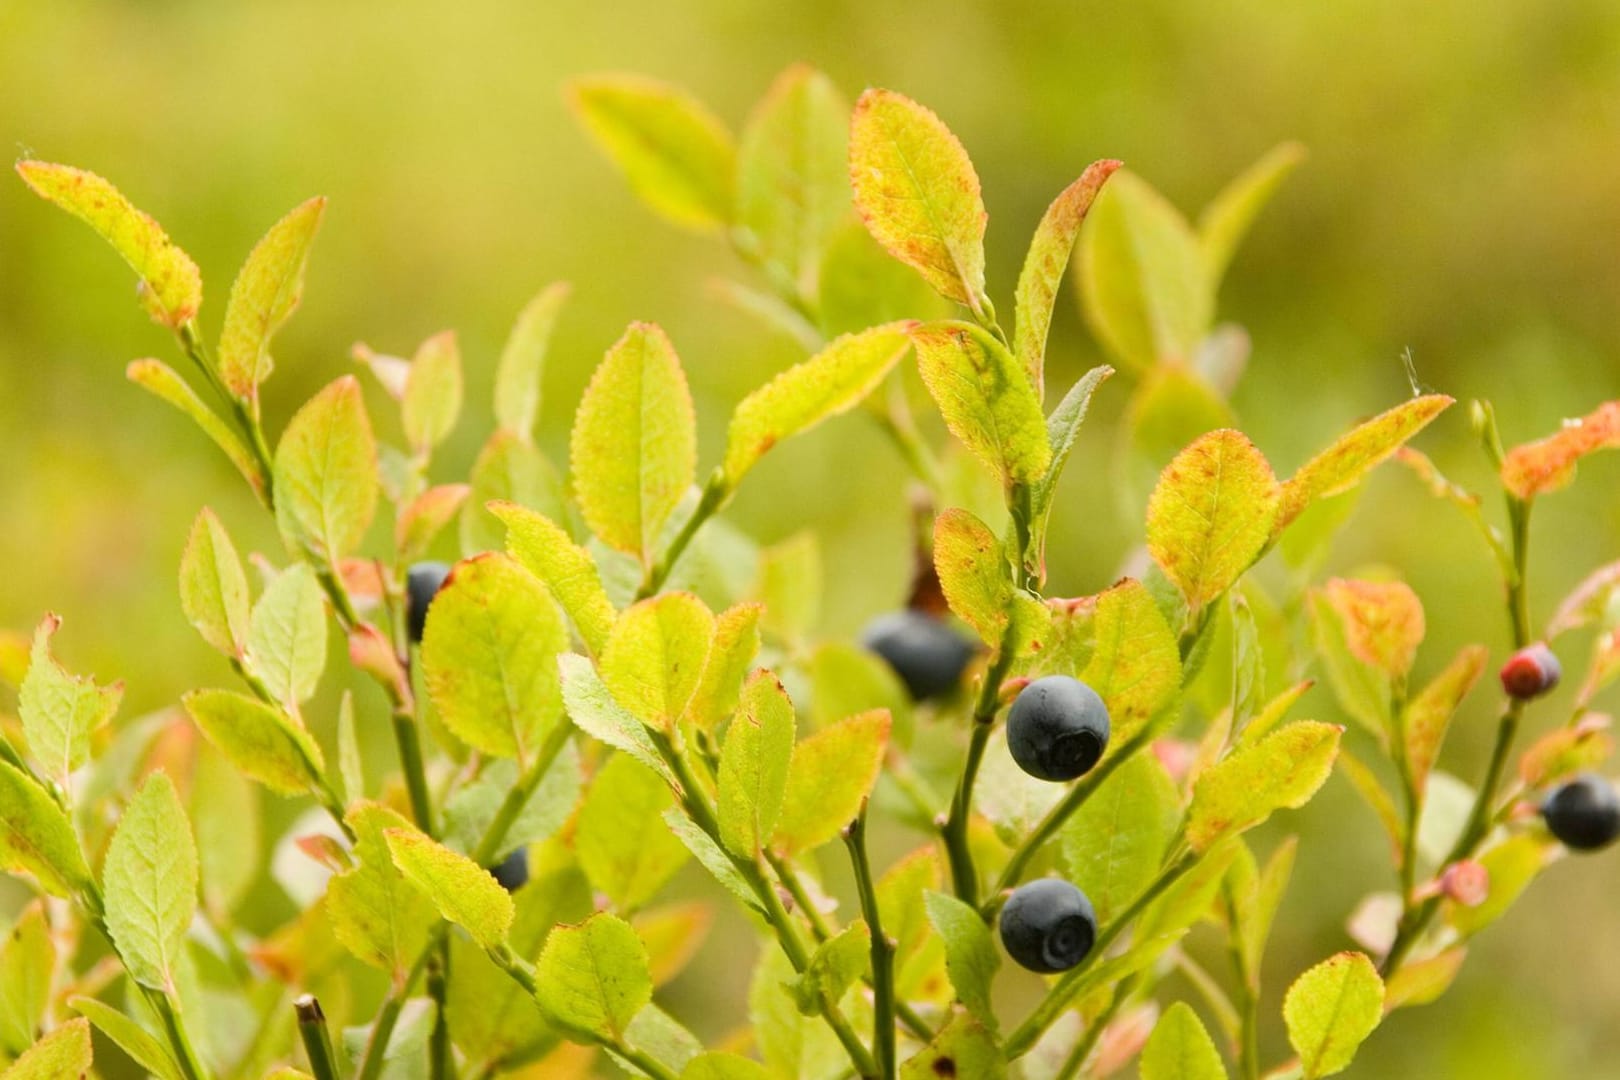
[1461, 200]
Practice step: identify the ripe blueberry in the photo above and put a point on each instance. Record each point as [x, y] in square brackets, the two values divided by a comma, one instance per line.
[1532, 671]
[1583, 814]
[422, 583]
[513, 873]
[924, 651]
[1057, 728]
[1048, 925]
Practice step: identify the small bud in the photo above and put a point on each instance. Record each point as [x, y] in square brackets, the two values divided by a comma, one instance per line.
[1531, 672]
[1467, 883]
[371, 653]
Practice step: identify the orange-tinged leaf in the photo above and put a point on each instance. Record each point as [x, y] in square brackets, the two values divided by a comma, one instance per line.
[1211, 513]
[1566, 751]
[425, 517]
[972, 569]
[985, 399]
[1281, 771]
[1549, 464]
[171, 287]
[916, 190]
[1587, 602]
[265, 294]
[1341, 466]
[1383, 622]
[831, 773]
[1428, 714]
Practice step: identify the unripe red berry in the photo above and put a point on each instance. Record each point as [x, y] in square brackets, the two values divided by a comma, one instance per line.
[1532, 671]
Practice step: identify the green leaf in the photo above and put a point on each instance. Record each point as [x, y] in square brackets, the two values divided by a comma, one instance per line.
[1135, 664]
[1170, 408]
[1115, 843]
[62, 1054]
[736, 643]
[986, 399]
[1429, 712]
[846, 679]
[1147, 294]
[286, 645]
[620, 837]
[265, 294]
[164, 383]
[326, 473]
[224, 814]
[1257, 908]
[1421, 982]
[260, 740]
[655, 656]
[464, 892]
[431, 401]
[592, 708]
[1210, 516]
[171, 287]
[1180, 1048]
[489, 657]
[593, 978]
[378, 916]
[831, 773]
[1009, 798]
[1191, 898]
[1330, 1011]
[676, 155]
[1361, 690]
[971, 957]
[1062, 431]
[964, 1047]
[1222, 225]
[831, 382]
[523, 360]
[1382, 621]
[470, 812]
[717, 1065]
[351, 763]
[36, 837]
[144, 1048]
[1341, 466]
[836, 965]
[568, 571]
[150, 881]
[213, 587]
[754, 765]
[793, 1045]
[661, 1037]
[1048, 257]
[916, 190]
[862, 286]
[27, 970]
[634, 444]
[508, 469]
[712, 857]
[793, 175]
[1283, 770]
[60, 711]
[790, 586]
[1510, 867]
[973, 572]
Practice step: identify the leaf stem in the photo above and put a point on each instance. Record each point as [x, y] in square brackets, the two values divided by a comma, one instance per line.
[408, 739]
[958, 851]
[883, 1042]
[317, 1038]
[382, 1029]
[715, 493]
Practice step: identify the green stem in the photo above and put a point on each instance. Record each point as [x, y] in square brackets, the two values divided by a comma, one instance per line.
[248, 423]
[441, 1064]
[958, 850]
[408, 739]
[317, 1038]
[883, 1042]
[1090, 1037]
[715, 494]
[382, 1029]
[1248, 1004]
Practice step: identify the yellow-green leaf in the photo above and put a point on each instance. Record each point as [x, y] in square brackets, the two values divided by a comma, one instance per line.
[718, 1065]
[793, 175]
[60, 711]
[831, 773]
[594, 711]
[916, 190]
[964, 1046]
[464, 892]
[265, 294]
[150, 882]
[144, 1048]
[508, 469]
[380, 917]
[1281, 771]
[1211, 513]
[971, 958]
[1330, 1011]
[754, 765]
[1383, 622]
[171, 287]
[1222, 225]
[489, 657]
[973, 573]
[431, 401]
[213, 587]
[1180, 1049]
[634, 445]
[545, 550]
[1062, 431]
[35, 836]
[523, 360]
[1135, 664]
[1429, 712]
[623, 844]
[593, 978]
[829, 383]
[1115, 843]
[164, 383]
[1048, 257]
[286, 645]
[986, 399]
[27, 970]
[326, 473]
[64, 1054]
[261, 741]
[676, 155]
[655, 656]
[1341, 466]
[736, 643]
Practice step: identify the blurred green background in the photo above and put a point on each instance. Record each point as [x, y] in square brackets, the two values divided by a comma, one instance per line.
[1460, 201]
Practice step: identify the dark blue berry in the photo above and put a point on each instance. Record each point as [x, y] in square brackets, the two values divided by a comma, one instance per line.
[1048, 925]
[513, 874]
[1057, 729]
[1583, 814]
[927, 654]
[422, 583]
[1532, 671]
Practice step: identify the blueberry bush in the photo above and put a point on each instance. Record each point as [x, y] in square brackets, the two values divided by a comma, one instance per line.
[614, 682]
